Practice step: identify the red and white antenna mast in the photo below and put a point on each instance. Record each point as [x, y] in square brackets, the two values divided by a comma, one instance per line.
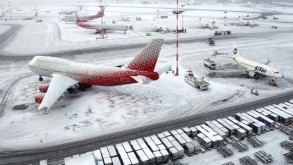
[177, 12]
[102, 22]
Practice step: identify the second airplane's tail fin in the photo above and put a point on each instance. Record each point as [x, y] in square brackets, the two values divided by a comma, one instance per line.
[146, 60]
[101, 12]
[235, 50]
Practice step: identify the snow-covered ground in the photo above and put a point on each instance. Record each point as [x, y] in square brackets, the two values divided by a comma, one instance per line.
[102, 110]
[4, 28]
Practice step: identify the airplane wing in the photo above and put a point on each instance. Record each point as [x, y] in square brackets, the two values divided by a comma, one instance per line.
[57, 87]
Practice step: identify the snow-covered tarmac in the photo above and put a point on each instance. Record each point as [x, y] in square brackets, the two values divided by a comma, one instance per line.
[102, 110]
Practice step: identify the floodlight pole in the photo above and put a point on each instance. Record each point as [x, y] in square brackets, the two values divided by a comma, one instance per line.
[177, 42]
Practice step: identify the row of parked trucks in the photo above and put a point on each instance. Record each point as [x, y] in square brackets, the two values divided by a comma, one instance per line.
[174, 144]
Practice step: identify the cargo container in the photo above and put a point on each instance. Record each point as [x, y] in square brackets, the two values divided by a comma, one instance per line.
[166, 133]
[167, 143]
[112, 151]
[147, 139]
[179, 148]
[141, 143]
[115, 161]
[133, 159]
[231, 123]
[284, 108]
[180, 131]
[143, 159]
[126, 162]
[210, 136]
[189, 149]
[43, 162]
[288, 104]
[274, 117]
[150, 155]
[180, 139]
[174, 155]
[246, 128]
[108, 161]
[227, 126]
[240, 117]
[153, 146]
[200, 137]
[186, 138]
[101, 162]
[208, 129]
[250, 117]
[197, 146]
[165, 155]
[98, 155]
[291, 101]
[135, 145]
[226, 131]
[127, 147]
[161, 147]
[206, 143]
[257, 128]
[161, 135]
[121, 151]
[159, 157]
[220, 132]
[187, 131]
[171, 138]
[220, 140]
[156, 140]
[217, 124]
[174, 132]
[283, 117]
[105, 152]
[193, 131]
[267, 121]
[233, 119]
[241, 133]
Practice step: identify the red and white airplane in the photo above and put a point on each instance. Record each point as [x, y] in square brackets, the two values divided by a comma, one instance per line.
[91, 17]
[69, 75]
[101, 28]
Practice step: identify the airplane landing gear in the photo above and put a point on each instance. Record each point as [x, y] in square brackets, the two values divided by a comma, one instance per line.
[41, 78]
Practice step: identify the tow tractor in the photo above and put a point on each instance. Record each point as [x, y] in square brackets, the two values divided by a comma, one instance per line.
[211, 42]
[254, 91]
[272, 82]
[195, 82]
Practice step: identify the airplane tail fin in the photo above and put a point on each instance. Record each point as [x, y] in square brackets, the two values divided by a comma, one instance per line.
[235, 50]
[146, 60]
[101, 12]
[269, 61]
[77, 18]
[36, 14]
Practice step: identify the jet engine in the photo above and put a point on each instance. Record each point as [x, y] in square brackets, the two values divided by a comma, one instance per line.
[39, 98]
[251, 74]
[43, 88]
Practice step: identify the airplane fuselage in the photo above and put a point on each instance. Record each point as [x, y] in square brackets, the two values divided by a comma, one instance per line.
[87, 74]
[104, 26]
[258, 68]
